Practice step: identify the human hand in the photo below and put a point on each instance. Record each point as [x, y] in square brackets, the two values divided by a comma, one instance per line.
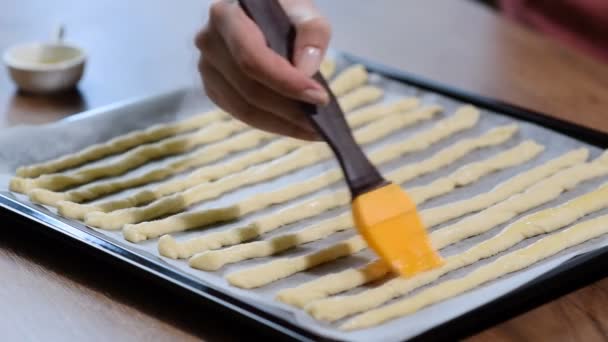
[243, 76]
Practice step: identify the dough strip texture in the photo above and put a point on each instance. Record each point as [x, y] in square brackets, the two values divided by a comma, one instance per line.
[328, 68]
[175, 145]
[352, 76]
[213, 260]
[240, 142]
[506, 264]
[205, 155]
[169, 247]
[541, 222]
[277, 148]
[302, 157]
[130, 160]
[541, 193]
[351, 278]
[281, 268]
[185, 221]
[120, 144]
[360, 97]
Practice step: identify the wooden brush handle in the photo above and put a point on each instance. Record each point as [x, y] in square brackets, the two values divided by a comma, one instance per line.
[361, 175]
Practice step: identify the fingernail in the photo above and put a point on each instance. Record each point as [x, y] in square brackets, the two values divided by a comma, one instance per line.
[315, 96]
[309, 60]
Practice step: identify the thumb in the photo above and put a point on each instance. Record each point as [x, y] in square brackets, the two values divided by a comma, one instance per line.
[312, 34]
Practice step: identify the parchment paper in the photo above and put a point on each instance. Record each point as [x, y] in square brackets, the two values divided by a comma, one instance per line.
[26, 145]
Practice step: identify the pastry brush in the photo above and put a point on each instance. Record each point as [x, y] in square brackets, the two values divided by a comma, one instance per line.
[383, 213]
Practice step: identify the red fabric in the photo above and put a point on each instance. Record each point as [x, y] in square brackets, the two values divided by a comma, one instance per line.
[582, 24]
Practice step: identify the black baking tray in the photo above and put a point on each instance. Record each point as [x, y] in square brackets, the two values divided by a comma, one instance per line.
[573, 274]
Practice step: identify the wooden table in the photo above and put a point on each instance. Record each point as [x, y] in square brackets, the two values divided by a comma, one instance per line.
[138, 47]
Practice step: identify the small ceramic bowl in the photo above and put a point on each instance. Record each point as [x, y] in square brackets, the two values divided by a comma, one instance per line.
[45, 67]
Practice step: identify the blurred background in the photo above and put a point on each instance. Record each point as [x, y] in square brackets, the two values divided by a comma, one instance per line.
[141, 47]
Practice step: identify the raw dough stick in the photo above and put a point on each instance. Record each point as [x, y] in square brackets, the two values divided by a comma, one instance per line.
[130, 160]
[120, 144]
[319, 205]
[302, 157]
[351, 77]
[213, 260]
[485, 220]
[351, 278]
[201, 156]
[273, 150]
[440, 214]
[504, 265]
[305, 156]
[534, 196]
[195, 219]
[356, 98]
[171, 146]
[205, 155]
[443, 129]
[168, 247]
[360, 97]
[240, 142]
[328, 68]
[541, 222]
[281, 268]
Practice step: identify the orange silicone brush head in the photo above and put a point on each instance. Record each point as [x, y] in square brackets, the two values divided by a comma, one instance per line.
[387, 219]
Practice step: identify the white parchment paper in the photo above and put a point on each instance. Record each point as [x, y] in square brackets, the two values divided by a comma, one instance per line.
[26, 145]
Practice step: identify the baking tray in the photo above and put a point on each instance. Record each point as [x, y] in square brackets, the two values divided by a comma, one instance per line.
[570, 275]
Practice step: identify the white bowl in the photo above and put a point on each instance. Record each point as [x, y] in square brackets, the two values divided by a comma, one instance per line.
[45, 67]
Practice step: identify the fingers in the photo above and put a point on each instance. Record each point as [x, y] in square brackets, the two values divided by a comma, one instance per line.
[227, 97]
[313, 33]
[256, 85]
[255, 93]
[253, 57]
